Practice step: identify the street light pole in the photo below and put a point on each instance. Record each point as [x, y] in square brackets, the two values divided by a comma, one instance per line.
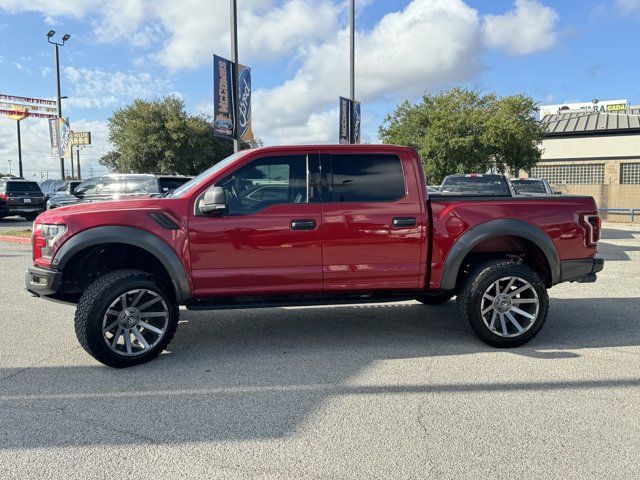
[234, 69]
[352, 51]
[58, 95]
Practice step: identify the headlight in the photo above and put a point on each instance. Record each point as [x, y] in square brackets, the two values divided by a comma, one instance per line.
[44, 237]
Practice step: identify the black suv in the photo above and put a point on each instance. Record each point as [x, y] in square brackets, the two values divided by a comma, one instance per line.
[116, 186]
[20, 197]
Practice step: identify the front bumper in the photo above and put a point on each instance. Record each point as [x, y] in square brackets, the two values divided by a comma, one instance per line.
[43, 281]
[582, 270]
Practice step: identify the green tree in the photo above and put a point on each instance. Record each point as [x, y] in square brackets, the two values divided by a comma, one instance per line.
[462, 130]
[159, 137]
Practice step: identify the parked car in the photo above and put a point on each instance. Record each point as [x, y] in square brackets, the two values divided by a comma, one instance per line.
[356, 225]
[20, 197]
[62, 191]
[116, 186]
[477, 184]
[531, 186]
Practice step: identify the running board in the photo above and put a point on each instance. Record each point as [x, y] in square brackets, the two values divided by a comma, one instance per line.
[302, 300]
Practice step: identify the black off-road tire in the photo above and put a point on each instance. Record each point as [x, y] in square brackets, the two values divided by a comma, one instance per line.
[435, 298]
[469, 301]
[95, 301]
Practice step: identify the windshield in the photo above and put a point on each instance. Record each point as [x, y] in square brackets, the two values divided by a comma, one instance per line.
[529, 186]
[178, 192]
[478, 185]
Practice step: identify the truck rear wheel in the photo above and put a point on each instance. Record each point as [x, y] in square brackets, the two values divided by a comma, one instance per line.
[504, 303]
[125, 318]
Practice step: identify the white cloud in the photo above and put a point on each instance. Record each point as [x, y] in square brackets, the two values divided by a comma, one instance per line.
[196, 28]
[527, 29]
[74, 8]
[628, 6]
[49, 20]
[99, 88]
[36, 152]
[428, 44]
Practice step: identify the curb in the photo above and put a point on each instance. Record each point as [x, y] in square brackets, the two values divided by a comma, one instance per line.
[5, 238]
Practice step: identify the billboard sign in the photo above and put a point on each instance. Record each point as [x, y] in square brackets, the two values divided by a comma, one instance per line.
[355, 122]
[223, 117]
[601, 106]
[244, 104]
[80, 138]
[344, 133]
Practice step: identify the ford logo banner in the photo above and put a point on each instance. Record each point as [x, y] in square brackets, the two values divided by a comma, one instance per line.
[244, 103]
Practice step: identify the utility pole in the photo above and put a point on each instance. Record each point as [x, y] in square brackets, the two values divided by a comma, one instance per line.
[58, 96]
[234, 69]
[352, 50]
[78, 160]
[9, 167]
[19, 149]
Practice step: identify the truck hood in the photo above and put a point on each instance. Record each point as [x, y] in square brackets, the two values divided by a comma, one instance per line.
[56, 215]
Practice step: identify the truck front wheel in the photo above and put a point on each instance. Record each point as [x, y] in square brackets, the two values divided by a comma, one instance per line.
[505, 303]
[125, 318]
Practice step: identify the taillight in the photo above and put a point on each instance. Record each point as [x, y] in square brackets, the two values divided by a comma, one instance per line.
[592, 224]
[4, 196]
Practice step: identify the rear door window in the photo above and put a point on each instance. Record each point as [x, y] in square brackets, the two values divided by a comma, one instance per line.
[365, 178]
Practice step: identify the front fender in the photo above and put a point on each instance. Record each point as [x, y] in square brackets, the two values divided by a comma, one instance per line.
[131, 236]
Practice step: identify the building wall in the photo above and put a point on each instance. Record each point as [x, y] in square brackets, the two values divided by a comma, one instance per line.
[611, 151]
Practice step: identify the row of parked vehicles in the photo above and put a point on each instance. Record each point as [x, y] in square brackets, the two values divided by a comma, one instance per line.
[27, 198]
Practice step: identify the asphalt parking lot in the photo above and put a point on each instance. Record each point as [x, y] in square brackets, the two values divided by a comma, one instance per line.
[394, 391]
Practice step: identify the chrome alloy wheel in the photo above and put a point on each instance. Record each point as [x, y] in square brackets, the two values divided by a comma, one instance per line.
[135, 322]
[510, 306]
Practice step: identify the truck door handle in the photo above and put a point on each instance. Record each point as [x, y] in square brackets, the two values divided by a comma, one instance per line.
[303, 224]
[404, 222]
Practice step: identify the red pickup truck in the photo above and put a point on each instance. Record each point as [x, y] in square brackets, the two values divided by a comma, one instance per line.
[308, 225]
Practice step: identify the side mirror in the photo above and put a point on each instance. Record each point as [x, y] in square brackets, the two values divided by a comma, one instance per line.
[214, 201]
[557, 193]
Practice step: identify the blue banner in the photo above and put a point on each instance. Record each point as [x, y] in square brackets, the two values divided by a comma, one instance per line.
[244, 104]
[64, 138]
[344, 135]
[223, 110]
[355, 122]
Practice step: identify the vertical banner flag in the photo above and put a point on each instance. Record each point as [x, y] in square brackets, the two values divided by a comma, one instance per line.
[54, 135]
[344, 134]
[64, 137]
[243, 122]
[355, 122]
[223, 117]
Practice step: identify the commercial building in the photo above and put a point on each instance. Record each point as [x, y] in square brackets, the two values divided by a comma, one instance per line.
[592, 152]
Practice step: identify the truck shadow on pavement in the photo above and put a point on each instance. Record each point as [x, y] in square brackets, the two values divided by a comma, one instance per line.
[260, 374]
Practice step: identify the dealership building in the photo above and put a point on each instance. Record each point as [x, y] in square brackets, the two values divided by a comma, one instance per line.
[593, 149]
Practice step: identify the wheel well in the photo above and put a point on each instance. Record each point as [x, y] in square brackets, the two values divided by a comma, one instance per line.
[92, 262]
[509, 247]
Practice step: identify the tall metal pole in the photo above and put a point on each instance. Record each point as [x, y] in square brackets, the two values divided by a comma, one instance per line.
[234, 69]
[352, 60]
[78, 160]
[73, 173]
[59, 102]
[352, 51]
[19, 150]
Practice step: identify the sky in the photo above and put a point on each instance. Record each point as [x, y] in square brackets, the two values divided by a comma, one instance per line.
[556, 51]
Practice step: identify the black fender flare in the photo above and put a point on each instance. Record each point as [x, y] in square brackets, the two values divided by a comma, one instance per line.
[498, 228]
[130, 236]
